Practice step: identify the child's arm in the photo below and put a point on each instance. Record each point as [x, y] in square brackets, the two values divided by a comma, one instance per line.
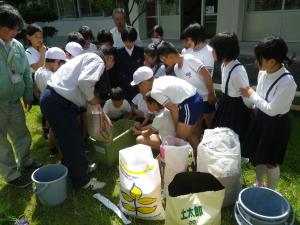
[174, 112]
[209, 85]
[148, 132]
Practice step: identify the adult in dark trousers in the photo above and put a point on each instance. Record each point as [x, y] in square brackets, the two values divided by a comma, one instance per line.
[69, 89]
[15, 83]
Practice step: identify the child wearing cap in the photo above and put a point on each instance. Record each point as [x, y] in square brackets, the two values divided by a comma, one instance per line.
[175, 94]
[73, 49]
[54, 58]
[162, 125]
[117, 106]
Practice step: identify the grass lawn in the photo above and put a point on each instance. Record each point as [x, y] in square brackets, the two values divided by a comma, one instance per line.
[81, 209]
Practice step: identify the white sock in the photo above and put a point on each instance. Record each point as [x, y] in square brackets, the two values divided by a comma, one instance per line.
[260, 171]
[273, 177]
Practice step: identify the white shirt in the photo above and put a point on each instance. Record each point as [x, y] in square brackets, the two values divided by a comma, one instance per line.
[238, 79]
[129, 51]
[158, 72]
[118, 43]
[92, 48]
[114, 113]
[41, 76]
[205, 55]
[139, 101]
[33, 55]
[189, 71]
[163, 124]
[169, 88]
[186, 50]
[75, 80]
[280, 97]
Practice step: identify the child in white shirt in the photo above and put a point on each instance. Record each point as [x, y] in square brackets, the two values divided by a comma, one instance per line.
[54, 58]
[162, 125]
[117, 106]
[73, 49]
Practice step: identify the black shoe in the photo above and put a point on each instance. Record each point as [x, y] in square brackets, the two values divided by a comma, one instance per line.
[21, 182]
[53, 152]
[33, 166]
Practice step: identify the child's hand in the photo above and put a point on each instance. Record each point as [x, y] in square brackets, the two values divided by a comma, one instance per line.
[211, 98]
[145, 133]
[246, 92]
[42, 49]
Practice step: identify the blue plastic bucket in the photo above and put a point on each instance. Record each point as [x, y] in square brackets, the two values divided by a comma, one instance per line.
[51, 184]
[262, 206]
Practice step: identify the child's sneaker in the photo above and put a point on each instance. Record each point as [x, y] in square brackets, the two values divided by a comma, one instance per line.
[53, 152]
[94, 185]
[92, 167]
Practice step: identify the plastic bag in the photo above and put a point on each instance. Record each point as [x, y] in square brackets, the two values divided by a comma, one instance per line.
[140, 183]
[219, 154]
[174, 153]
[99, 126]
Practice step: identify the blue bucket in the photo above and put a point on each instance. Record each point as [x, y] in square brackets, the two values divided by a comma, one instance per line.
[51, 184]
[262, 206]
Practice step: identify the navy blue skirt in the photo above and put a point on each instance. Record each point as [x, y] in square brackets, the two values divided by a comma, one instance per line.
[231, 112]
[267, 138]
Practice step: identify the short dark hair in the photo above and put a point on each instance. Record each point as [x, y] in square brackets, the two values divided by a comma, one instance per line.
[272, 47]
[76, 37]
[129, 34]
[152, 52]
[10, 17]
[86, 32]
[182, 37]
[117, 94]
[196, 32]
[109, 51]
[105, 36]
[119, 10]
[157, 29]
[226, 46]
[166, 48]
[53, 60]
[33, 28]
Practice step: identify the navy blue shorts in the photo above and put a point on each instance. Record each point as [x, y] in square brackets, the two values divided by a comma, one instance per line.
[208, 108]
[190, 109]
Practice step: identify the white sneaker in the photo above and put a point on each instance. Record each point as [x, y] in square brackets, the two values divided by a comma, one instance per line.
[92, 167]
[94, 185]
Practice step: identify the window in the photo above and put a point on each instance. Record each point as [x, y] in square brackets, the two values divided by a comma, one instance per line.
[170, 9]
[67, 8]
[151, 16]
[263, 5]
[292, 4]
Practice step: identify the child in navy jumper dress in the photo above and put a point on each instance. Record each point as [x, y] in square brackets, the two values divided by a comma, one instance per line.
[269, 132]
[232, 110]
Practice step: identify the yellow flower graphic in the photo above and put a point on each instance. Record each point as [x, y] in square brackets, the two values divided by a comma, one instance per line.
[135, 196]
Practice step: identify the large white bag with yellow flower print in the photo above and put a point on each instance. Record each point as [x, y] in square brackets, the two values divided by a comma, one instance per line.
[140, 183]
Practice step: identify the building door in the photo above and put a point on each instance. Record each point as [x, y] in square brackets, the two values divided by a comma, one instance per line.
[190, 13]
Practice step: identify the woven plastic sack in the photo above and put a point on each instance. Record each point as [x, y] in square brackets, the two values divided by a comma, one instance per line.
[99, 126]
[219, 154]
[140, 183]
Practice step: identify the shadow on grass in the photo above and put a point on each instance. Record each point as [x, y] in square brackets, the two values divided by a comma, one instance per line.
[14, 203]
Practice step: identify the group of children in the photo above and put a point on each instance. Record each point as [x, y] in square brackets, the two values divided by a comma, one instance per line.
[171, 93]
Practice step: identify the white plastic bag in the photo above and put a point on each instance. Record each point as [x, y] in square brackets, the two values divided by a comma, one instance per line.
[99, 125]
[174, 153]
[140, 183]
[219, 154]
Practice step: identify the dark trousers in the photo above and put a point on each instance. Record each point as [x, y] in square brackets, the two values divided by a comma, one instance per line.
[61, 115]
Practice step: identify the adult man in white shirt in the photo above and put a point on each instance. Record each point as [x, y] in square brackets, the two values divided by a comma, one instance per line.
[119, 18]
[70, 88]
